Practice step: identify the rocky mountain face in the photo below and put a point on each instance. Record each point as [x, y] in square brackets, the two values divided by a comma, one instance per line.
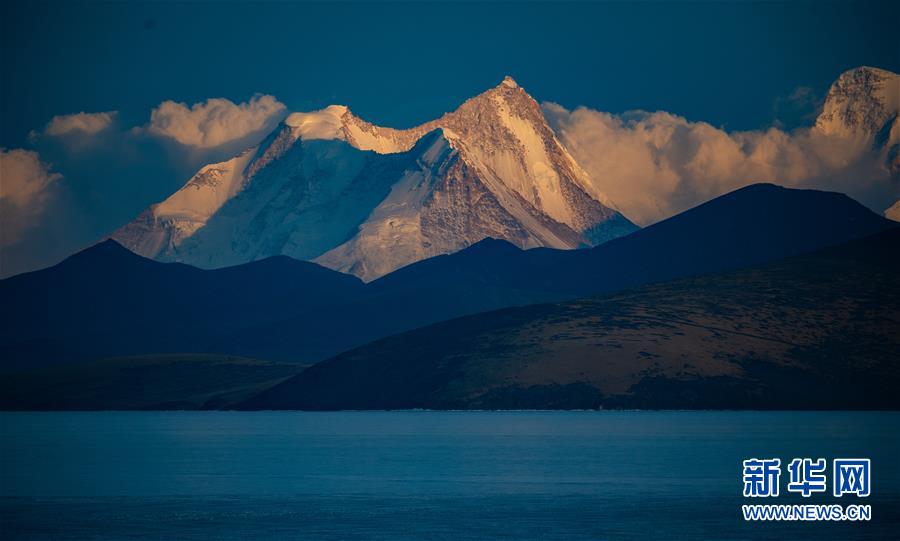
[330, 187]
[862, 108]
[862, 102]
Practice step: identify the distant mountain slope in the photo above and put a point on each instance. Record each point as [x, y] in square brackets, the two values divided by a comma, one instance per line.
[167, 382]
[107, 301]
[752, 225]
[810, 332]
[364, 199]
[757, 223]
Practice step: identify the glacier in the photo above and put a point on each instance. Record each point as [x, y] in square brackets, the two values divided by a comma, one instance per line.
[330, 187]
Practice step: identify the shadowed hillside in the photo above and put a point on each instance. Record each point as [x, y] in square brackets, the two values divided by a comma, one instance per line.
[170, 382]
[107, 301]
[752, 225]
[811, 332]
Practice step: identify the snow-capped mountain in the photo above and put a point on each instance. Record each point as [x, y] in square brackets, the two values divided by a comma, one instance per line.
[862, 102]
[365, 199]
[862, 107]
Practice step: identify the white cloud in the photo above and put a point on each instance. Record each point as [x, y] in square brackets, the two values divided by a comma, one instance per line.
[655, 165]
[87, 123]
[215, 121]
[24, 183]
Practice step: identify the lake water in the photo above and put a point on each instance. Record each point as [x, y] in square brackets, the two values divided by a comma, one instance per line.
[424, 475]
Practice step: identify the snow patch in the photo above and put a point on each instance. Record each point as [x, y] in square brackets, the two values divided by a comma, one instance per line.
[206, 192]
[373, 140]
[539, 182]
[324, 124]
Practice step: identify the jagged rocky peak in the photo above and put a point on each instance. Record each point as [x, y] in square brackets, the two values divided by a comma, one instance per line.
[483, 114]
[862, 101]
[330, 186]
[504, 133]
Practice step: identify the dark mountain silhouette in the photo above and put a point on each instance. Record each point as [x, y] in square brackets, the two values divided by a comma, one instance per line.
[106, 301]
[756, 224]
[817, 331]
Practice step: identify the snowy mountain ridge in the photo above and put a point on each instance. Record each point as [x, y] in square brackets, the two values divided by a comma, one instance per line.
[365, 199]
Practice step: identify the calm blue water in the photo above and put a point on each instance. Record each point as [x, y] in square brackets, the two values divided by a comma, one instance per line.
[422, 475]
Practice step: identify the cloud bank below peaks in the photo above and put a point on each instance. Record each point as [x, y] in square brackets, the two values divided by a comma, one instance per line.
[655, 165]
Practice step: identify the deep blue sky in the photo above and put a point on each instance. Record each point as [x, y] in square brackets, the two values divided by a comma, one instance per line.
[400, 64]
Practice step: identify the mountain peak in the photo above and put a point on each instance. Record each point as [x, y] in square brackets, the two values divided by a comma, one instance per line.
[509, 82]
[490, 244]
[860, 103]
[491, 168]
[105, 252]
[108, 246]
[862, 72]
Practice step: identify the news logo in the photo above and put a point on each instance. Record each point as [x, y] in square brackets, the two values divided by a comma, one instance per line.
[761, 477]
[807, 476]
[852, 476]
